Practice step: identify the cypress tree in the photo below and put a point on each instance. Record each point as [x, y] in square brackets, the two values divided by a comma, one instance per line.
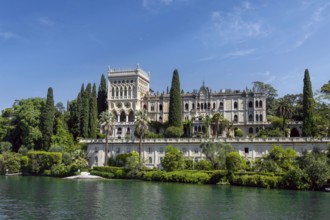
[102, 96]
[175, 110]
[85, 116]
[93, 113]
[308, 107]
[47, 119]
[80, 110]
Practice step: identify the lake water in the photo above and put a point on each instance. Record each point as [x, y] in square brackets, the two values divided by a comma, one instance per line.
[52, 198]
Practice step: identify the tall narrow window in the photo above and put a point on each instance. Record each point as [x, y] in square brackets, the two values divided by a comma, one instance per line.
[221, 105]
[235, 105]
[235, 118]
[213, 105]
[257, 117]
[257, 104]
[186, 106]
[250, 104]
[260, 104]
[160, 107]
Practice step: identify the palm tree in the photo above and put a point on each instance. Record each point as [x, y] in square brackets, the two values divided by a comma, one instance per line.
[107, 121]
[141, 127]
[285, 110]
[207, 124]
[216, 119]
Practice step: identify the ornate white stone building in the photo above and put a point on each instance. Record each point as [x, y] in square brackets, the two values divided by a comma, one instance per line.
[128, 92]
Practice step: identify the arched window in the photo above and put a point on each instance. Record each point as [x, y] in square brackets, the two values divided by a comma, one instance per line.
[257, 104]
[128, 131]
[122, 116]
[113, 91]
[160, 107]
[115, 116]
[198, 105]
[260, 117]
[213, 105]
[119, 130]
[186, 106]
[152, 108]
[257, 130]
[160, 118]
[235, 118]
[260, 104]
[117, 92]
[221, 105]
[257, 117]
[125, 92]
[131, 117]
[145, 107]
[250, 104]
[202, 106]
[208, 105]
[250, 130]
[129, 92]
[193, 106]
[121, 91]
[250, 117]
[235, 105]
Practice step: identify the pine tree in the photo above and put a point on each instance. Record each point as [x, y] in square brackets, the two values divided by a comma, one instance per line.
[47, 120]
[102, 96]
[175, 110]
[308, 107]
[85, 115]
[93, 113]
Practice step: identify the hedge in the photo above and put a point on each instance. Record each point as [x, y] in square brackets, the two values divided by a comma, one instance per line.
[41, 160]
[257, 180]
[117, 172]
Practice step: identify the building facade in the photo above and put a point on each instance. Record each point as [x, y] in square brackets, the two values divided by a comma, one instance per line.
[129, 92]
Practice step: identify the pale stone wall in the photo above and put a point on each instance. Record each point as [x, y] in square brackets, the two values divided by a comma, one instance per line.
[154, 149]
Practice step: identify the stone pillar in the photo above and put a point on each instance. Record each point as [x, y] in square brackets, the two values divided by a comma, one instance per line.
[126, 118]
[118, 118]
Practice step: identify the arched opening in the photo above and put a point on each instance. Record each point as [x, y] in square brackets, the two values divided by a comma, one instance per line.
[193, 106]
[186, 106]
[257, 117]
[213, 105]
[122, 117]
[119, 131]
[160, 118]
[202, 106]
[235, 105]
[152, 108]
[125, 92]
[115, 116]
[160, 107]
[117, 92]
[198, 105]
[260, 117]
[199, 128]
[250, 104]
[131, 117]
[128, 131]
[257, 104]
[250, 130]
[294, 132]
[221, 105]
[250, 117]
[145, 107]
[121, 91]
[129, 92]
[260, 104]
[257, 130]
[113, 92]
[208, 105]
[235, 118]
[195, 128]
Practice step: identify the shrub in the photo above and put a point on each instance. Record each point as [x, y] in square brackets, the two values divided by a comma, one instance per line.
[10, 161]
[218, 176]
[173, 159]
[115, 172]
[204, 165]
[42, 160]
[60, 170]
[256, 180]
[24, 163]
[102, 174]
[182, 176]
[238, 133]
[173, 132]
[234, 161]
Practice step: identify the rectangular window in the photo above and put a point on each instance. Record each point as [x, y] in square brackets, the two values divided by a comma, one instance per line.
[118, 150]
[96, 150]
[149, 150]
[196, 150]
[246, 150]
[150, 159]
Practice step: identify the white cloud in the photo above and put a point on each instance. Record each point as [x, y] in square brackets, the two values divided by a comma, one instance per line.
[239, 53]
[43, 21]
[311, 27]
[233, 26]
[8, 35]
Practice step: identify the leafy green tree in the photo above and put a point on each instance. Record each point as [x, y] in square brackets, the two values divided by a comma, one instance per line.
[5, 147]
[74, 119]
[175, 109]
[216, 153]
[316, 166]
[234, 162]
[308, 107]
[62, 137]
[26, 123]
[86, 111]
[238, 133]
[296, 102]
[173, 132]
[102, 96]
[80, 110]
[108, 122]
[10, 161]
[271, 94]
[93, 122]
[47, 120]
[173, 159]
[325, 90]
[207, 124]
[141, 128]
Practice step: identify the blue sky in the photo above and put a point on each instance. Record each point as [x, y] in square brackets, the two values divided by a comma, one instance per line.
[227, 44]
